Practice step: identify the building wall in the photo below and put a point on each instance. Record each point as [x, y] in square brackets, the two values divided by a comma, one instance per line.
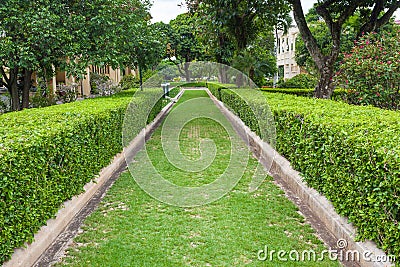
[84, 84]
[286, 47]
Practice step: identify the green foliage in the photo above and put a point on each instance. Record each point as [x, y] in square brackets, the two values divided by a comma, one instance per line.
[299, 81]
[349, 154]
[40, 35]
[290, 91]
[67, 93]
[47, 156]
[183, 43]
[257, 61]
[152, 222]
[40, 101]
[100, 84]
[131, 81]
[128, 82]
[193, 84]
[243, 19]
[371, 70]
[237, 104]
[239, 33]
[339, 93]
[321, 33]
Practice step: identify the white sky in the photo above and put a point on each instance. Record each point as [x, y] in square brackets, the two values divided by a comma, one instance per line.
[165, 10]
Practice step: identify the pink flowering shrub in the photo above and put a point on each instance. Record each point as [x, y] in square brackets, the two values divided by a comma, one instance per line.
[371, 71]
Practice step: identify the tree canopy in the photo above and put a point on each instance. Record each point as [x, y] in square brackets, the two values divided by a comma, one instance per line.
[233, 29]
[183, 43]
[45, 35]
[374, 14]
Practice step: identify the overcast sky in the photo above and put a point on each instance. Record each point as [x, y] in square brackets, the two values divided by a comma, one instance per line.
[165, 10]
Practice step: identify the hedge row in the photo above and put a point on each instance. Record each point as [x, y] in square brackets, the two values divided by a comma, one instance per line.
[350, 154]
[47, 155]
[338, 94]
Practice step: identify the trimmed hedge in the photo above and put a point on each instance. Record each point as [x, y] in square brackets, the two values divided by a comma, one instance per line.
[236, 104]
[351, 154]
[302, 80]
[338, 94]
[47, 155]
[290, 91]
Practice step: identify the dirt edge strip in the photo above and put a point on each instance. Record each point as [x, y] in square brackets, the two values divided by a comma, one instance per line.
[52, 239]
[318, 211]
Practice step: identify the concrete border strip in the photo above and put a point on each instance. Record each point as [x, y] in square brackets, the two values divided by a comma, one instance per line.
[27, 256]
[338, 226]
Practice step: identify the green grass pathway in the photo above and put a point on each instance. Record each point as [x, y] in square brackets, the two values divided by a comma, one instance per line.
[130, 228]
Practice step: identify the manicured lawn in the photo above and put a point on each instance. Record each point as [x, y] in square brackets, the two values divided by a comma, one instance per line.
[130, 228]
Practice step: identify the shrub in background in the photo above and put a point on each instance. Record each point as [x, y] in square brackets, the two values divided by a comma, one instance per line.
[131, 81]
[302, 80]
[67, 93]
[96, 80]
[128, 82]
[371, 72]
[42, 98]
[5, 101]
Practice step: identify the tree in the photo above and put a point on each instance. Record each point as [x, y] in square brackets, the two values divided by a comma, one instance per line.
[335, 14]
[321, 33]
[33, 34]
[371, 70]
[233, 24]
[241, 19]
[184, 46]
[45, 35]
[147, 48]
[258, 59]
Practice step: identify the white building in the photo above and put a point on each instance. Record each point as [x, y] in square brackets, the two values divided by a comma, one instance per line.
[286, 47]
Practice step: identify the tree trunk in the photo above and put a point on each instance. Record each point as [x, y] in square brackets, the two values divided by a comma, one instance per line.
[325, 86]
[187, 71]
[27, 86]
[222, 74]
[13, 89]
[140, 78]
[252, 73]
[239, 79]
